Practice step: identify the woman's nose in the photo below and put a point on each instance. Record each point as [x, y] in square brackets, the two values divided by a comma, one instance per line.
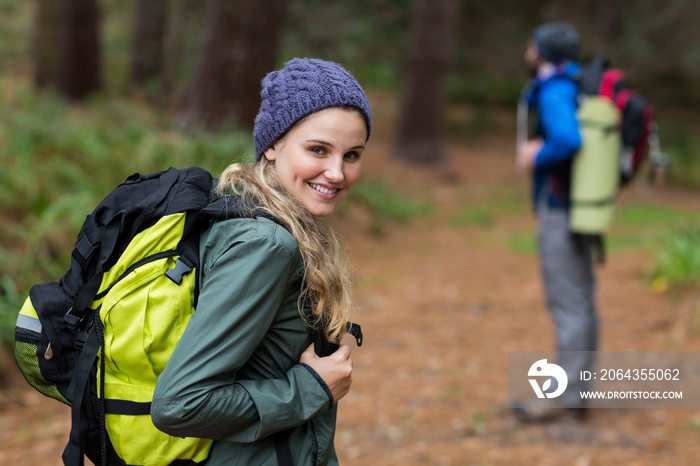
[334, 169]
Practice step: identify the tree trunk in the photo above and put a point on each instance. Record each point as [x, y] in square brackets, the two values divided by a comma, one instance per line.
[45, 44]
[239, 49]
[79, 63]
[172, 48]
[147, 40]
[422, 119]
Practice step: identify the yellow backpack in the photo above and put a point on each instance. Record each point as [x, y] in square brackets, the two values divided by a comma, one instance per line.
[98, 338]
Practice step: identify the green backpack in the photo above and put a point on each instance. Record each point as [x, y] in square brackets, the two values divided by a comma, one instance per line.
[133, 266]
[595, 173]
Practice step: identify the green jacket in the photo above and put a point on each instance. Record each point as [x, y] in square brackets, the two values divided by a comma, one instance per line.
[235, 375]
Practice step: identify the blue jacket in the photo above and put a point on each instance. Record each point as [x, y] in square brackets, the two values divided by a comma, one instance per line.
[554, 98]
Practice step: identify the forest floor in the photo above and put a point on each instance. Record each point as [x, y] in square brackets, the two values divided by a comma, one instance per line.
[441, 303]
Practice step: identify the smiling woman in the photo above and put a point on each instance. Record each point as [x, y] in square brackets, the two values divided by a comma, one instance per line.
[319, 160]
[273, 279]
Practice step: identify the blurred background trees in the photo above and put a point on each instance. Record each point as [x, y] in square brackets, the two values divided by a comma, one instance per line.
[453, 67]
[203, 61]
[655, 39]
[240, 45]
[148, 40]
[423, 112]
[93, 90]
[67, 47]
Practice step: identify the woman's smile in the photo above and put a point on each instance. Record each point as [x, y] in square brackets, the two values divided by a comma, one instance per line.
[319, 159]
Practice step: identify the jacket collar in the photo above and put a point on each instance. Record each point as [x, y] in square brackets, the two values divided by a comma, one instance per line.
[548, 73]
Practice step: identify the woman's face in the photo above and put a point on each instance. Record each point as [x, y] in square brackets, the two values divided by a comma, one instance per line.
[320, 158]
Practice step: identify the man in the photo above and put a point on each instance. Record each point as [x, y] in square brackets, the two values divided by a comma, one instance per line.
[565, 261]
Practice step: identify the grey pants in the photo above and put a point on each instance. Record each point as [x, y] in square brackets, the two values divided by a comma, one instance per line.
[569, 283]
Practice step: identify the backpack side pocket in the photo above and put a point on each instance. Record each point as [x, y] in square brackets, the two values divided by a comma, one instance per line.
[29, 347]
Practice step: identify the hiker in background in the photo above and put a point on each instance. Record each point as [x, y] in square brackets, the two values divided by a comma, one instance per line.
[244, 372]
[566, 264]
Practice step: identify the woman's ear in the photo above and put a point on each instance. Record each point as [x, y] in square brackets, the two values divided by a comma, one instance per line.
[270, 153]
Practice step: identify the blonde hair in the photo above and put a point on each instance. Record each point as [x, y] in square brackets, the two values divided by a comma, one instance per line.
[327, 284]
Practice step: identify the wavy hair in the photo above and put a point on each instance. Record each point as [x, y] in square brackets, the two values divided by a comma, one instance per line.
[327, 287]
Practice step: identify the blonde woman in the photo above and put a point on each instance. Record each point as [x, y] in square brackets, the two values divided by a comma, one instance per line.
[245, 372]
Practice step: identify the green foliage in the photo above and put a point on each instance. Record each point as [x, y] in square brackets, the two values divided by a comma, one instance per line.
[479, 426]
[636, 227]
[59, 161]
[643, 226]
[384, 204]
[678, 262]
[681, 142]
[473, 216]
[646, 215]
[523, 242]
[15, 30]
[9, 307]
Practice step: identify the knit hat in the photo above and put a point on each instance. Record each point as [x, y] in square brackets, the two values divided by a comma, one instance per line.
[302, 87]
[557, 42]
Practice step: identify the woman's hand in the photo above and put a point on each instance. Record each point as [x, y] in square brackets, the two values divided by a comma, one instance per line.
[335, 370]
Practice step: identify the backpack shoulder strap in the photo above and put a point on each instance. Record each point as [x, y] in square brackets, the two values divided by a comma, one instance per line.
[73, 452]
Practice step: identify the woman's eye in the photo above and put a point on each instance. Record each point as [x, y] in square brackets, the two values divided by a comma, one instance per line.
[317, 150]
[352, 156]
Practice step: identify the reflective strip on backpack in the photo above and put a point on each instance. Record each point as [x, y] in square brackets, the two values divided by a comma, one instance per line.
[28, 323]
[28, 318]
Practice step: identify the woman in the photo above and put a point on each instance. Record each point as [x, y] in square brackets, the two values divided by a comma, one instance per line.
[244, 372]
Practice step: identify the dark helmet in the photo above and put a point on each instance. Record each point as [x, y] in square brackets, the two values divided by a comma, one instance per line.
[557, 42]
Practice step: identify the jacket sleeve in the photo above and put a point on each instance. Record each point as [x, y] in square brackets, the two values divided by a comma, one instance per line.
[559, 124]
[199, 394]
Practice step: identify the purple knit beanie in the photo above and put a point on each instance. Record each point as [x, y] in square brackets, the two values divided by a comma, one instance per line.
[302, 87]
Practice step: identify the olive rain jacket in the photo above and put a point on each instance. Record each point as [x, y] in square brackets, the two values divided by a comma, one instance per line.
[235, 375]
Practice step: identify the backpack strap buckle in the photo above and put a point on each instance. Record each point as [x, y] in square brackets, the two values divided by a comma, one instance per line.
[71, 319]
[182, 268]
[356, 331]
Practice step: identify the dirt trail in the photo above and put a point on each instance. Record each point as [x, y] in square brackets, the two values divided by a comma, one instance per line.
[441, 305]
